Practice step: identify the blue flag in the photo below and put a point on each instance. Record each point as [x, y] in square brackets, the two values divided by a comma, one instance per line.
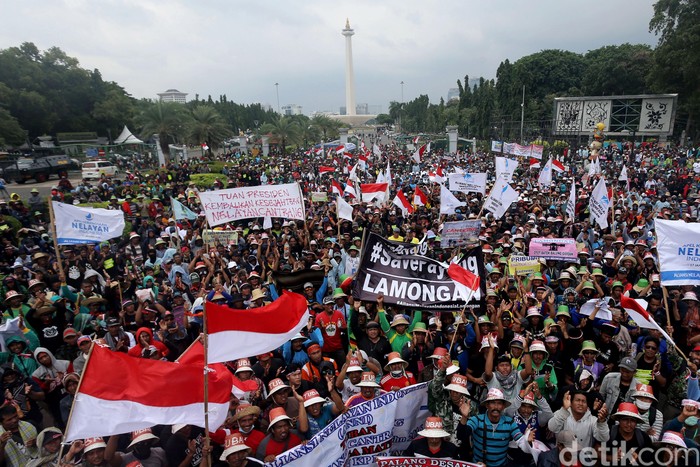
[180, 211]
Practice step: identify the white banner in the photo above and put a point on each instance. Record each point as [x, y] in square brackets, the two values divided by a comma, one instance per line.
[75, 225]
[284, 201]
[501, 197]
[385, 425]
[496, 146]
[505, 168]
[460, 233]
[469, 182]
[679, 252]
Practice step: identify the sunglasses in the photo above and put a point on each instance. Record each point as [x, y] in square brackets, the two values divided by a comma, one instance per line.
[650, 347]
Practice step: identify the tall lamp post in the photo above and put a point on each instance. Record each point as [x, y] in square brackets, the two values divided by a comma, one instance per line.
[401, 109]
[277, 89]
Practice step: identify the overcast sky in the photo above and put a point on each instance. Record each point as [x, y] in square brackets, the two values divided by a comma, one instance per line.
[242, 48]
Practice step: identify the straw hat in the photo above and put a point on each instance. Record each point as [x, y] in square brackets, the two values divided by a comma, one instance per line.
[257, 294]
[311, 397]
[353, 365]
[395, 357]
[139, 436]
[687, 296]
[92, 300]
[485, 344]
[433, 428]
[13, 294]
[439, 352]
[234, 443]
[529, 399]
[420, 327]
[368, 380]
[495, 394]
[674, 438]
[399, 319]
[538, 346]
[458, 384]
[244, 409]
[278, 414]
[627, 410]
[90, 444]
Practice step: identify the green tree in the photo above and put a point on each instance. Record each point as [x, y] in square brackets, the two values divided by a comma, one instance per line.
[282, 131]
[327, 126]
[617, 70]
[168, 120]
[676, 64]
[10, 131]
[207, 126]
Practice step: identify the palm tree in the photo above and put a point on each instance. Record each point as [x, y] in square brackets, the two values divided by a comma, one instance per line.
[168, 120]
[308, 134]
[207, 126]
[282, 130]
[327, 126]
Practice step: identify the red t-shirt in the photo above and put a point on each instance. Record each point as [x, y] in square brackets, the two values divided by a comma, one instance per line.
[330, 327]
[388, 381]
[275, 448]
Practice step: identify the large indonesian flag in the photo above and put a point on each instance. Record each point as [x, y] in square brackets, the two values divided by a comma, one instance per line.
[235, 334]
[120, 394]
[465, 281]
[372, 191]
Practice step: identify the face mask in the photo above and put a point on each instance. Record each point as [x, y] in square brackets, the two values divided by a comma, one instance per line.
[691, 422]
[397, 374]
[643, 406]
[245, 432]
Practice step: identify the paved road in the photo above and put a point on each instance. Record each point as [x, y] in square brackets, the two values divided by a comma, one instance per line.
[44, 187]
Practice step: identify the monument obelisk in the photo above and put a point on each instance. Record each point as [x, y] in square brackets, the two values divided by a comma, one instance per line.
[349, 74]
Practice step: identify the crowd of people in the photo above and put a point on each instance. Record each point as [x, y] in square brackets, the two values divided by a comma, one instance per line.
[529, 373]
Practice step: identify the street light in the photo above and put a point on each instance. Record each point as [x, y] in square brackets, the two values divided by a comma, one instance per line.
[401, 108]
[277, 89]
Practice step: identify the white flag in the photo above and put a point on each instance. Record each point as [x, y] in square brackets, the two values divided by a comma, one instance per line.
[545, 179]
[505, 168]
[380, 177]
[623, 174]
[571, 204]
[501, 197]
[599, 204]
[344, 209]
[76, 225]
[267, 223]
[448, 201]
[387, 174]
[376, 150]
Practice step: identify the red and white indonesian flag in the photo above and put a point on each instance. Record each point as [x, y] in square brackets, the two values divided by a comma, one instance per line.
[438, 176]
[534, 163]
[374, 191]
[119, 394]
[362, 161]
[402, 203]
[465, 281]
[420, 198]
[353, 174]
[235, 334]
[336, 188]
[557, 165]
[350, 190]
[325, 169]
[418, 154]
[416, 139]
[340, 149]
[636, 309]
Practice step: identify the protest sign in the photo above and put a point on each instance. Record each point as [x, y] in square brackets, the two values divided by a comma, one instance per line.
[558, 249]
[523, 265]
[460, 233]
[76, 225]
[319, 197]
[422, 461]
[211, 236]
[384, 425]
[221, 206]
[468, 182]
[679, 252]
[405, 277]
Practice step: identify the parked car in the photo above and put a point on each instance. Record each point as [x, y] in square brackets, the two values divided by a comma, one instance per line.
[40, 169]
[96, 169]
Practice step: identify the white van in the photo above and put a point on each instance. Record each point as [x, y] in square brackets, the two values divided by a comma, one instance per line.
[95, 169]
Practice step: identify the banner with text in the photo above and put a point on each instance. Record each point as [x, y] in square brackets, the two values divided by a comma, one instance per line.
[523, 265]
[76, 225]
[558, 249]
[460, 233]
[679, 252]
[319, 196]
[468, 182]
[402, 273]
[284, 201]
[384, 425]
[422, 461]
[516, 149]
[225, 237]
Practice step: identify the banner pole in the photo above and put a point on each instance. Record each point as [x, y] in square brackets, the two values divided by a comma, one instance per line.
[205, 342]
[52, 220]
[77, 390]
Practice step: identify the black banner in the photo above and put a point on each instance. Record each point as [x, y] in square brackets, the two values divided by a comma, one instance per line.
[402, 273]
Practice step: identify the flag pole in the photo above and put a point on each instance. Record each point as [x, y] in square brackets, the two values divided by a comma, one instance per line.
[205, 342]
[52, 219]
[77, 390]
[668, 321]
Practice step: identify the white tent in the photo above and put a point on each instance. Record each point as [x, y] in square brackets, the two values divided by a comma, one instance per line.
[126, 137]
